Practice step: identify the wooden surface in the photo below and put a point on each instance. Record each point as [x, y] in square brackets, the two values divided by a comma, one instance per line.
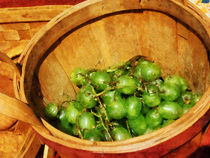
[6, 87]
[17, 27]
[30, 14]
[118, 42]
[191, 149]
[15, 42]
[16, 30]
[27, 3]
[19, 140]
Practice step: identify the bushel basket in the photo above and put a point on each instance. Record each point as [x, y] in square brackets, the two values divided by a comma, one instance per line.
[101, 33]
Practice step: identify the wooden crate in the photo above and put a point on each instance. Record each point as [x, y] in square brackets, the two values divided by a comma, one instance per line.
[19, 140]
[17, 27]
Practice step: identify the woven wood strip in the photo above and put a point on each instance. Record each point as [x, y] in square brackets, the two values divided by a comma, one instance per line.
[17, 27]
[29, 14]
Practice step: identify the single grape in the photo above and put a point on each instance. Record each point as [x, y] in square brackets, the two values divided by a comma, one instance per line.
[86, 97]
[51, 110]
[150, 72]
[133, 107]
[92, 135]
[110, 96]
[78, 76]
[72, 113]
[176, 80]
[153, 118]
[169, 92]
[116, 109]
[126, 85]
[86, 121]
[138, 125]
[120, 133]
[151, 100]
[100, 80]
[170, 110]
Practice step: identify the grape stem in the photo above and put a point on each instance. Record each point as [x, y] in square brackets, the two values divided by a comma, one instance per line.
[95, 114]
[102, 123]
[101, 93]
[104, 111]
[128, 127]
[80, 134]
[106, 127]
[79, 130]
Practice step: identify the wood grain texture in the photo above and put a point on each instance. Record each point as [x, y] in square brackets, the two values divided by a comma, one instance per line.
[17, 141]
[29, 14]
[26, 3]
[14, 108]
[6, 87]
[186, 149]
[105, 39]
[18, 25]
[15, 36]
[7, 69]
[142, 38]
[108, 34]
[192, 58]
[56, 86]
[177, 45]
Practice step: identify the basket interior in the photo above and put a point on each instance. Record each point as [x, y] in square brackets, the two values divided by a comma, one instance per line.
[98, 34]
[109, 40]
[114, 38]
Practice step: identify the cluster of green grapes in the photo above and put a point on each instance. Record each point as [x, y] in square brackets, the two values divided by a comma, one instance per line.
[122, 101]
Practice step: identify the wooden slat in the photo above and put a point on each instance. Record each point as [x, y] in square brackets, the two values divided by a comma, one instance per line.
[17, 27]
[186, 149]
[158, 40]
[48, 152]
[29, 14]
[192, 59]
[56, 86]
[122, 39]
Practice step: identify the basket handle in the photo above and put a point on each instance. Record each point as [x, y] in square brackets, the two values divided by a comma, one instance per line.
[15, 108]
[6, 59]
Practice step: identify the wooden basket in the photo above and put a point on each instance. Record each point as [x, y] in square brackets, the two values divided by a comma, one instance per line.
[100, 33]
[17, 139]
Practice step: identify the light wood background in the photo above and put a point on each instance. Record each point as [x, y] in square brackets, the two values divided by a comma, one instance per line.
[17, 27]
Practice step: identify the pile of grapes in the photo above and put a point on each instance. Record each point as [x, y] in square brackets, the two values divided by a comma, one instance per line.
[122, 101]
